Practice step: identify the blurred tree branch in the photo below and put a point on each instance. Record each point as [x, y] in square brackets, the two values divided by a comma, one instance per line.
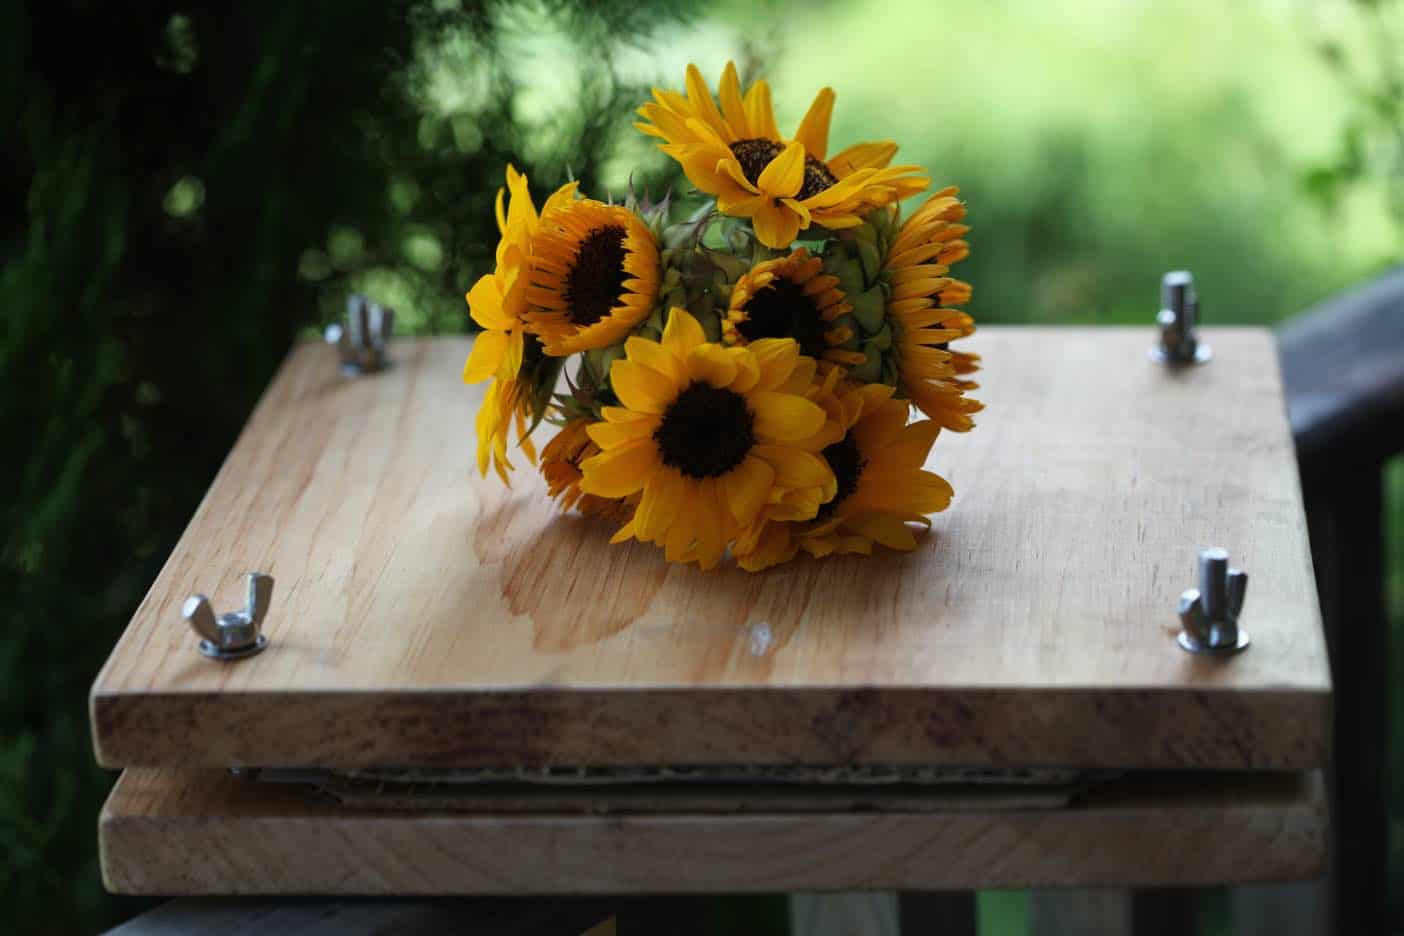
[1370, 153]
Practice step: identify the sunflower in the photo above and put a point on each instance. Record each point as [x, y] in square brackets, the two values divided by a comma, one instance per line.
[882, 486]
[497, 302]
[560, 466]
[593, 276]
[917, 267]
[708, 435]
[791, 297]
[736, 153]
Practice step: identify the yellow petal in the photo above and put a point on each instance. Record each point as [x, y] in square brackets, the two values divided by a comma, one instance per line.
[882, 425]
[485, 304]
[795, 468]
[682, 333]
[784, 417]
[619, 472]
[775, 225]
[801, 377]
[653, 355]
[561, 196]
[862, 156]
[759, 113]
[785, 174]
[521, 213]
[511, 362]
[619, 414]
[710, 524]
[813, 131]
[700, 97]
[776, 358]
[489, 348]
[711, 364]
[659, 506]
[728, 166]
[799, 209]
[678, 546]
[641, 388]
[741, 205]
[901, 491]
[773, 546]
[699, 164]
[913, 447]
[608, 435]
[747, 370]
[732, 105]
[624, 533]
[888, 530]
[746, 488]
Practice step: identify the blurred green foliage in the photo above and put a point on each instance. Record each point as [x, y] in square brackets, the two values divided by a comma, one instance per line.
[1101, 143]
[185, 190]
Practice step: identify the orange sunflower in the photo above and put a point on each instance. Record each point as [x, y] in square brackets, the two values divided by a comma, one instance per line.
[736, 153]
[791, 297]
[922, 292]
[593, 276]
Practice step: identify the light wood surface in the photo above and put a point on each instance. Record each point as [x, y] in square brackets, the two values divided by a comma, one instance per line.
[192, 832]
[426, 616]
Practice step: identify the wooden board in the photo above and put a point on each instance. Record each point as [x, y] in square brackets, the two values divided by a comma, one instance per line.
[193, 832]
[426, 616]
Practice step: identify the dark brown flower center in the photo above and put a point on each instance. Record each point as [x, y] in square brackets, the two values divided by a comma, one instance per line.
[782, 310]
[596, 279]
[705, 432]
[847, 464]
[755, 155]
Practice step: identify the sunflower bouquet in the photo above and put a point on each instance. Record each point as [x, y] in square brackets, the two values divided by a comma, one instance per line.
[741, 378]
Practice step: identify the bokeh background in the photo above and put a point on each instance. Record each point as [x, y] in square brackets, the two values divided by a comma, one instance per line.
[186, 190]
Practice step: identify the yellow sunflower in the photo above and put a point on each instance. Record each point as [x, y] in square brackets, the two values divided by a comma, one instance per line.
[791, 297]
[594, 276]
[560, 466]
[497, 302]
[708, 435]
[882, 485]
[736, 153]
[922, 292]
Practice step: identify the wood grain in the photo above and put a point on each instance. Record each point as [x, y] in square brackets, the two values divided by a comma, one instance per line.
[193, 832]
[425, 616]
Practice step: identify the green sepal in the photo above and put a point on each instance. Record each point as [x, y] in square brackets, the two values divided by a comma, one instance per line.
[869, 309]
[890, 375]
[538, 373]
[871, 368]
[870, 257]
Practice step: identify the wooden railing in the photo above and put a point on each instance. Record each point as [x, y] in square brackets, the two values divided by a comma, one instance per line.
[1343, 368]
